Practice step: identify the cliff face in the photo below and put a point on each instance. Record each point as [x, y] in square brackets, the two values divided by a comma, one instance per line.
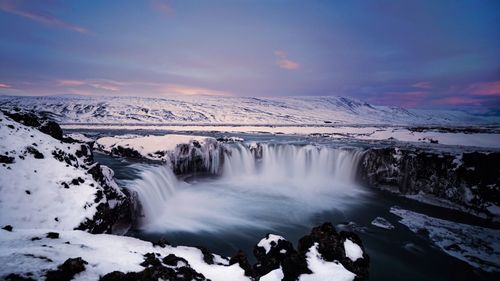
[469, 179]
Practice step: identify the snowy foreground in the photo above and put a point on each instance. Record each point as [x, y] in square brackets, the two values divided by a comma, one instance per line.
[54, 187]
[231, 110]
[34, 252]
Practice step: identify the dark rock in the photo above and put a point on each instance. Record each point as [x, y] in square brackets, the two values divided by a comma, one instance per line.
[28, 119]
[27, 192]
[207, 256]
[107, 219]
[67, 270]
[37, 154]
[126, 152]
[17, 277]
[52, 129]
[6, 159]
[53, 235]
[450, 176]
[48, 127]
[155, 273]
[8, 228]
[267, 262]
[150, 259]
[241, 259]
[162, 243]
[173, 260]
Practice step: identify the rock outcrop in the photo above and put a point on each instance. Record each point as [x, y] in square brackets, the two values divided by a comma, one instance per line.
[469, 179]
[275, 253]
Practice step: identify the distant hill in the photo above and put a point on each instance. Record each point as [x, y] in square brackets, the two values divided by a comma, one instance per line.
[232, 110]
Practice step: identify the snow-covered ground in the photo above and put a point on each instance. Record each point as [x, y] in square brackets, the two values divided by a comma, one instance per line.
[45, 185]
[104, 254]
[231, 110]
[477, 246]
[150, 147]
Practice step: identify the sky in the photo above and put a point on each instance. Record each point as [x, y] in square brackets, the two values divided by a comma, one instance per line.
[415, 54]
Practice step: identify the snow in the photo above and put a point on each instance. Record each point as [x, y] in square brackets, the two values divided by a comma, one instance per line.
[352, 250]
[382, 223]
[79, 137]
[232, 110]
[323, 270]
[214, 272]
[147, 146]
[274, 275]
[270, 241]
[440, 202]
[104, 253]
[358, 132]
[32, 194]
[475, 245]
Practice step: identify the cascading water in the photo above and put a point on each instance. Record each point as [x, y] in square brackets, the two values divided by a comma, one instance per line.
[300, 164]
[260, 186]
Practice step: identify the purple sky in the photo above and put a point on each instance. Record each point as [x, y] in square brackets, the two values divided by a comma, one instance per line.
[424, 54]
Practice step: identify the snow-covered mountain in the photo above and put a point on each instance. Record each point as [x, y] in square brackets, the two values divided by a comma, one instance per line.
[230, 110]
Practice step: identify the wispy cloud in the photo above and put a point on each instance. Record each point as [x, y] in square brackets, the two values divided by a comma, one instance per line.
[485, 89]
[405, 99]
[107, 85]
[47, 20]
[458, 101]
[284, 62]
[162, 6]
[422, 85]
[103, 86]
[185, 90]
[4, 86]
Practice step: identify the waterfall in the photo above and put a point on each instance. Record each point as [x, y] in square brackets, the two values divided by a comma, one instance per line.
[284, 162]
[155, 186]
[257, 185]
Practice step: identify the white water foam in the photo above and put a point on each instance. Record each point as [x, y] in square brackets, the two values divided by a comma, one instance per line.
[268, 186]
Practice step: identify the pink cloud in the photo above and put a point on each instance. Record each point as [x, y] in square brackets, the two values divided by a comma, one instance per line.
[485, 89]
[284, 62]
[422, 85]
[404, 99]
[458, 101]
[4, 86]
[162, 6]
[43, 19]
[107, 85]
[70, 82]
[185, 90]
[97, 86]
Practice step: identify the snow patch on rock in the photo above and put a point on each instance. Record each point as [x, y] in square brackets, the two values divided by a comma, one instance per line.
[352, 250]
[323, 270]
[270, 241]
[148, 146]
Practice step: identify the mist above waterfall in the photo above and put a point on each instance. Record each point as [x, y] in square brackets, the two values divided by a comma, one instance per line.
[259, 186]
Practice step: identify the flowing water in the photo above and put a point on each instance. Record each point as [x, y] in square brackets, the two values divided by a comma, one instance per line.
[287, 184]
[284, 189]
